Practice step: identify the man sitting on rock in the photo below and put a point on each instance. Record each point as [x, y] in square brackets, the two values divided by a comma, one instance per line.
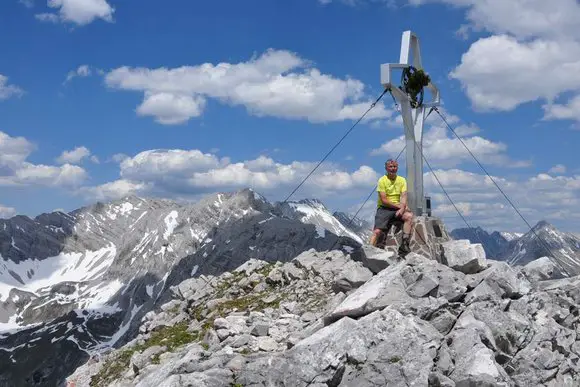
[392, 205]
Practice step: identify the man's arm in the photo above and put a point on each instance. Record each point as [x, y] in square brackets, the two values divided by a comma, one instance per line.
[388, 203]
[403, 205]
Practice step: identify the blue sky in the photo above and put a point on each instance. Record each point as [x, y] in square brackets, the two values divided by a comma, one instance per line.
[102, 98]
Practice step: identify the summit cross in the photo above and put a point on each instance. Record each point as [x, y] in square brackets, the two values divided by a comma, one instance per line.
[414, 113]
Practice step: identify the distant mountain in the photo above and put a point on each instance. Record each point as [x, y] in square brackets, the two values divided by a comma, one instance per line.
[510, 236]
[73, 284]
[360, 226]
[544, 240]
[494, 244]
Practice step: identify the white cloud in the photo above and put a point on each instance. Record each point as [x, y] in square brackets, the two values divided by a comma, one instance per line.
[443, 150]
[277, 83]
[47, 17]
[7, 212]
[354, 3]
[75, 156]
[171, 108]
[16, 171]
[27, 3]
[521, 18]
[7, 91]
[79, 12]
[81, 71]
[569, 110]
[500, 73]
[481, 203]
[119, 157]
[14, 150]
[51, 176]
[532, 54]
[191, 172]
[113, 190]
[467, 130]
[558, 168]
[174, 163]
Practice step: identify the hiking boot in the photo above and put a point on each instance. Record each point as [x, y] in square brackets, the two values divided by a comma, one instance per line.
[404, 249]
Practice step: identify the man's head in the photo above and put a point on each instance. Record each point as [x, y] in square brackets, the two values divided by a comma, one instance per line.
[391, 166]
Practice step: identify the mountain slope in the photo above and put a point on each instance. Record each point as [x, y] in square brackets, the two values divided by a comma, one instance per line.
[357, 225]
[545, 240]
[326, 319]
[109, 264]
[494, 244]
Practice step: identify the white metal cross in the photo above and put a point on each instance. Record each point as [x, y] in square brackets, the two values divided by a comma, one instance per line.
[413, 117]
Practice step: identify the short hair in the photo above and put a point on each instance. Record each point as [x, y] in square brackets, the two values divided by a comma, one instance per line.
[389, 161]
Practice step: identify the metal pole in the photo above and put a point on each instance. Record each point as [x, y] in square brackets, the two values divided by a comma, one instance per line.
[413, 118]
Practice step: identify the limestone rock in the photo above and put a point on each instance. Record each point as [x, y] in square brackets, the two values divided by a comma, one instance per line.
[342, 353]
[541, 269]
[352, 275]
[464, 256]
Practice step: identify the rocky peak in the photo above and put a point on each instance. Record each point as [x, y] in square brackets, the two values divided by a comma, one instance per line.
[545, 240]
[543, 224]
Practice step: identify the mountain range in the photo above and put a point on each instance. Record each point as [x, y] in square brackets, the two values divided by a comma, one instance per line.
[80, 282]
[543, 240]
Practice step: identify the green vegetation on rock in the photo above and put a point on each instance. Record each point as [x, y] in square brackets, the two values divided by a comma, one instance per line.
[170, 337]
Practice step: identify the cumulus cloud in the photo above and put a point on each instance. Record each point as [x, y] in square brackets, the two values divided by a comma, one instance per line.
[80, 72]
[443, 149]
[27, 3]
[191, 172]
[119, 157]
[567, 111]
[169, 109]
[501, 73]
[277, 83]
[79, 12]
[113, 190]
[539, 46]
[48, 175]
[481, 203]
[16, 171]
[557, 18]
[76, 156]
[7, 90]
[14, 150]
[7, 212]
[354, 3]
[558, 168]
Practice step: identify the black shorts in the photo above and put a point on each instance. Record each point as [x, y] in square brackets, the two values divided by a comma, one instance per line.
[383, 217]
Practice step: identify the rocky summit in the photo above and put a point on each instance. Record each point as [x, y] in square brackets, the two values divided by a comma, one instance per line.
[359, 318]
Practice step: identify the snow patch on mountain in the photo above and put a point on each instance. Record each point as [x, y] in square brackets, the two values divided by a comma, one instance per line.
[170, 224]
[510, 236]
[314, 212]
[96, 297]
[32, 274]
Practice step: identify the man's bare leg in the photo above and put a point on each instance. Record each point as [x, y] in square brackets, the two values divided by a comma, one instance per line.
[375, 237]
[408, 222]
[407, 218]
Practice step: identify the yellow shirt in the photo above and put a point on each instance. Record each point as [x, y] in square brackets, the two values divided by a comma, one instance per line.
[393, 189]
